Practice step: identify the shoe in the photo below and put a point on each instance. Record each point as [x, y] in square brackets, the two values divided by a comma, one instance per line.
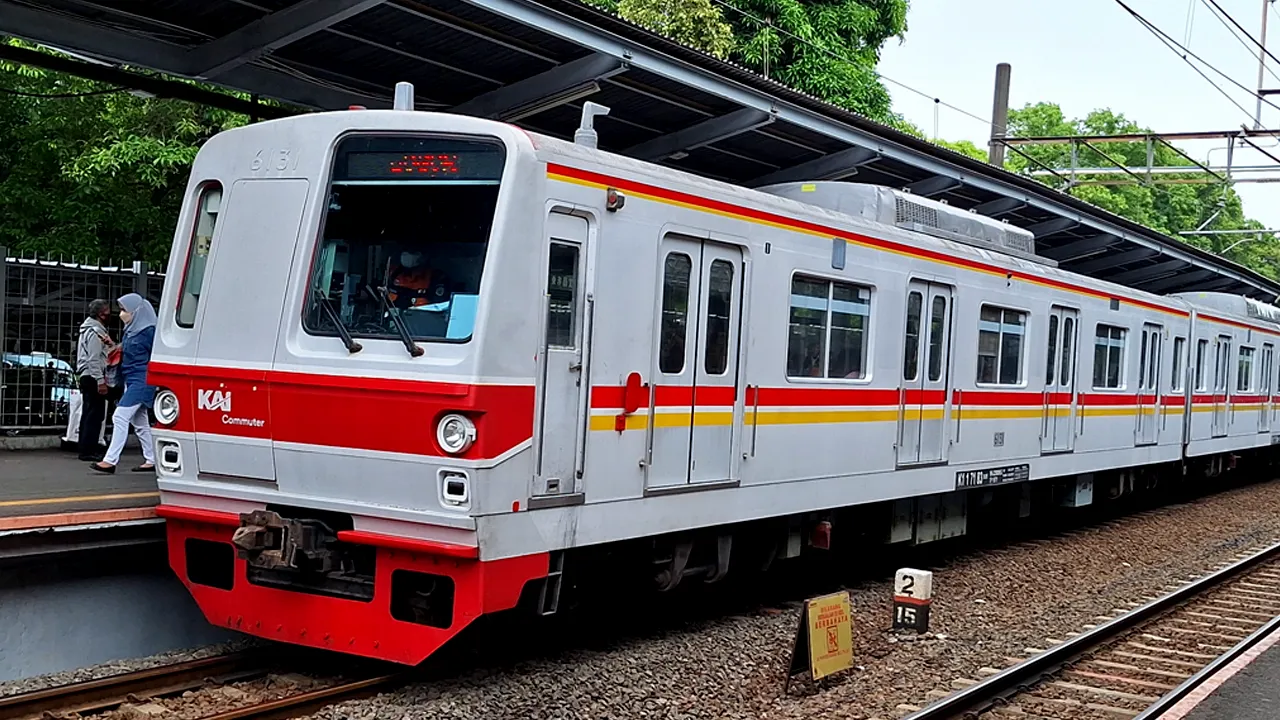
[145, 468]
[104, 469]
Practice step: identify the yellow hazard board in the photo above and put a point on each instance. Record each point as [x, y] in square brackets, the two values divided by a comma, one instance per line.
[825, 637]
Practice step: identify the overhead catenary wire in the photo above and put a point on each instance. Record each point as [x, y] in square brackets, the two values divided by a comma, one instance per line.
[1247, 34]
[1253, 52]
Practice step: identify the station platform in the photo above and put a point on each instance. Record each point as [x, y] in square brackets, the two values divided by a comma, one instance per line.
[1248, 688]
[52, 488]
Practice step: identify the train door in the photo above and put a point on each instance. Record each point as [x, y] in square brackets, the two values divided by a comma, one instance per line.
[692, 406]
[1060, 382]
[1267, 389]
[1221, 383]
[1148, 425]
[926, 371]
[562, 413]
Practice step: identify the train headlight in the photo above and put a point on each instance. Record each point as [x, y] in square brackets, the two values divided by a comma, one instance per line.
[455, 433]
[166, 407]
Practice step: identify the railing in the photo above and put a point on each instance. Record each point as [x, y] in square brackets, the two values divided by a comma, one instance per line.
[42, 304]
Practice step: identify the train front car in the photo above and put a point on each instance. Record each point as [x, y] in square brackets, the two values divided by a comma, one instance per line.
[346, 353]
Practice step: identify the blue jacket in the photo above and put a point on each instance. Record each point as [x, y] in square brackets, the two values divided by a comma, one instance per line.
[135, 356]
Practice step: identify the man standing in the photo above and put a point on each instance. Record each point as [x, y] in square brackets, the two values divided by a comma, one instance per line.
[91, 366]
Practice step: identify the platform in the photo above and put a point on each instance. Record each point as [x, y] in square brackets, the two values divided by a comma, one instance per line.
[51, 488]
[1248, 688]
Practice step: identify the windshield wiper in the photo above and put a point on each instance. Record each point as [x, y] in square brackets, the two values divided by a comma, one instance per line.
[327, 305]
[396, 320]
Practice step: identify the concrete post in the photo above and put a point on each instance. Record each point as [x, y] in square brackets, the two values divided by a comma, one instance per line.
[999, 115]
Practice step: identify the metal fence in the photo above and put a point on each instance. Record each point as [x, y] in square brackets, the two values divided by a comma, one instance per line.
[42, 303]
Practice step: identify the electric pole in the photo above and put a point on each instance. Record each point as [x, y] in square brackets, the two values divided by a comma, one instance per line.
[1000, 116]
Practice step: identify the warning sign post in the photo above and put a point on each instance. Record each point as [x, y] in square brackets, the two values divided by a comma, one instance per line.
[824, 639]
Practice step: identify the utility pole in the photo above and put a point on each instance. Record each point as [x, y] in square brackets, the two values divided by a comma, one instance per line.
[1262, 63]
[1000, 116]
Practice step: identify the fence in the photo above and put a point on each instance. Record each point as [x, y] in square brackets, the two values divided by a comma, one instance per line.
[42, 303]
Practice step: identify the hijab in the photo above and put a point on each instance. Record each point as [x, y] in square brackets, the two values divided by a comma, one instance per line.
[144, 316]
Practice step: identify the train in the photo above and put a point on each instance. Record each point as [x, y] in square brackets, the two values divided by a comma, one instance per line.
[414, 368]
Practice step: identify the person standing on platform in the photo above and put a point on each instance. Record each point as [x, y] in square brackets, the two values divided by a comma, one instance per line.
[93, 352]
[139, 334]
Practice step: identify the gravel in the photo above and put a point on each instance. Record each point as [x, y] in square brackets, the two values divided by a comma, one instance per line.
[118, 667]
[990, 607]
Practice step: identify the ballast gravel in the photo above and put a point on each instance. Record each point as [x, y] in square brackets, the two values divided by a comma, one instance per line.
[990, 608]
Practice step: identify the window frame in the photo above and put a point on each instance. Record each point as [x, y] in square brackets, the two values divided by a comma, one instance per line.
[1200, 375]
[202, 191]
[1249, 381]
[868, 354]
[1178, 381]
[690, 302]
[1022, 348]
[1122, 380]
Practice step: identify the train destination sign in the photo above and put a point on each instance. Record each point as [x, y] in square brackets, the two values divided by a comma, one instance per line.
[992, 476]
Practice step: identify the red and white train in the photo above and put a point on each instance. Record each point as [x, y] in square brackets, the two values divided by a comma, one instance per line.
[417, 367]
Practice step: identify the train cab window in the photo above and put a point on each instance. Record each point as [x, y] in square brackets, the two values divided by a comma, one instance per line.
[675, 312]
[1202, 356]
[1179, 348]
[405, 237]
[1000, 334]
[198, 253]
[827, 335]
[1108, 357]
[1244, 370]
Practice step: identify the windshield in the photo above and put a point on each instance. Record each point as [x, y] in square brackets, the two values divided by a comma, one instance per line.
[408, 221]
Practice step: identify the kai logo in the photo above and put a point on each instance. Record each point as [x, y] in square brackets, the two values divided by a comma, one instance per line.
[214, 400]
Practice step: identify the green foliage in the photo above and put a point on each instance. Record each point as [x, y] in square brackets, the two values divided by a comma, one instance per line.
[1168, 208]
[94, 176]
[698, 24]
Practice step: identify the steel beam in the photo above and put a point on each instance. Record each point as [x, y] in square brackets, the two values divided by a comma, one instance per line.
[271, 32]
[1209, 285]
[931, 186]
[999, 206]
[1079, 248]
[703, 133]
[836, 166]
[1168, 284]
[1050, 227]
[118, 46]
[531, 93]
[1150, 272]
[1124, 258]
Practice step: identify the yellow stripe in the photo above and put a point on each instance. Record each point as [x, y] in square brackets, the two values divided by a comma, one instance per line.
[79, 499]
[1006, 414]
[1108, 411]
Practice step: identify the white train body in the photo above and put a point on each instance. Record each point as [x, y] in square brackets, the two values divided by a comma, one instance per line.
[618, 351]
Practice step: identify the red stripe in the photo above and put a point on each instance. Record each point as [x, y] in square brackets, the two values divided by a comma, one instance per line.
[994, 398]
[905, 600]
[196, 515]
[1237, 323]
[1097, 399]
[429, 547]
[730, 209]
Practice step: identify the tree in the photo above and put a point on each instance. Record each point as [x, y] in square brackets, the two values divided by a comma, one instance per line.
[91, 171]
[698, 24]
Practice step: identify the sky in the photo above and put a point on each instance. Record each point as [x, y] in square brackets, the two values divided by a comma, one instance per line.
[1085, 55]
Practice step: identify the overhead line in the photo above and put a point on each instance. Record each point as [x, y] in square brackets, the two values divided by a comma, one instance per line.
[1247, 34]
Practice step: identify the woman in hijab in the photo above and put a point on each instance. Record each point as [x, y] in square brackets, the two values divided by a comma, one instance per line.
[139, 333]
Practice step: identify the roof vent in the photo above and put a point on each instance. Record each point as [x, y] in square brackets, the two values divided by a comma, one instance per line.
[901, 209]
[404, 96]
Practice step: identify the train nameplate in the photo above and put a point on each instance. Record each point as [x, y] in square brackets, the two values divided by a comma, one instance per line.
[993, 476]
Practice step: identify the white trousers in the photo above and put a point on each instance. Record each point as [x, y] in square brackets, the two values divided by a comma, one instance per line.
[121, 419]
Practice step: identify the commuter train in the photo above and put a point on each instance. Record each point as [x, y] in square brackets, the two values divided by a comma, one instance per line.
[419, 367]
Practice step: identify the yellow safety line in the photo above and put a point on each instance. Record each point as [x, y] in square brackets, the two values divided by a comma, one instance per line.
[79, 498]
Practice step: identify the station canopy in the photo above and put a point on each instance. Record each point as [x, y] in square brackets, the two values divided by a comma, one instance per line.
[535, 63]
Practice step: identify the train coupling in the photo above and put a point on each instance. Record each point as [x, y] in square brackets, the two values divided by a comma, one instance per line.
[269, 541]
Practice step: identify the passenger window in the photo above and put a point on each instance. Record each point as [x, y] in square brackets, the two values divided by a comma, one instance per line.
[1179, 347]
[1000, 333]
[207, 208]
[827, 329]
[937, 331]
[1202, 354]
[911, 354]
[562, 296]
[1108, 356]
[675, 312]
[719, 304]
[405, 237]
[1244, 370]
[1052, 355]
[1068, 338]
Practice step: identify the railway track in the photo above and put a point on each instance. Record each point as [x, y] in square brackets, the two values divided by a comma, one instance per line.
[1139, 664]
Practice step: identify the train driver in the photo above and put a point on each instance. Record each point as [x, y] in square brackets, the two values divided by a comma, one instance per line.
[413, 283]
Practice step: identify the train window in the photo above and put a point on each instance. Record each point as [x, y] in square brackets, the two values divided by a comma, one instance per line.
[1179, 348]
[1000, 333]
[207, 208]
[1108, 356]
[1068, 338]
[937, 332]
[719, 304]
[1202, 355]
[675, 312]
[827, 329]
[1052, 355]
[1244, 370]
[405, 235]
[562, 296]
[911, 354]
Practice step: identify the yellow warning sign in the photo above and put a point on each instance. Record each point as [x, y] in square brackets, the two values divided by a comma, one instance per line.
[830, 634]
